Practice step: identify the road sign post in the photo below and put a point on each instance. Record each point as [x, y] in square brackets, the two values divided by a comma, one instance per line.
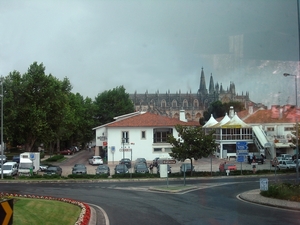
[241, 152]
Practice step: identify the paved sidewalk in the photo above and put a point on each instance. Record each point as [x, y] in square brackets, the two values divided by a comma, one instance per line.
[255, 197]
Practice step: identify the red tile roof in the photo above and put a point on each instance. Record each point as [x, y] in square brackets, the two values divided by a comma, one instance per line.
[273, 115]
[150, 120]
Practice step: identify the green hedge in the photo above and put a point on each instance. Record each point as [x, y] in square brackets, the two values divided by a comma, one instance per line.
[54, 158]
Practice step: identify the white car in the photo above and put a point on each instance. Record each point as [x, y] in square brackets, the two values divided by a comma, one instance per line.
[96, 160]
[286, 164]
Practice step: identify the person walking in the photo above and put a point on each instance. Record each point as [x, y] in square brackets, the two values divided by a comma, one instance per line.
[151, 168]
[253, 166]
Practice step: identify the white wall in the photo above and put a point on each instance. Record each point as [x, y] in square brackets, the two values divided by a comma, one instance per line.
[137, 147]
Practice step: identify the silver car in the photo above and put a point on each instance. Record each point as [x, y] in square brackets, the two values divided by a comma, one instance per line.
[79, 169]
[286, 164]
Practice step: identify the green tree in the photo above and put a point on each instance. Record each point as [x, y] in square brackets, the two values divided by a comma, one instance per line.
[35, 106]
[112, 103]
[219, 109]
[192, 143]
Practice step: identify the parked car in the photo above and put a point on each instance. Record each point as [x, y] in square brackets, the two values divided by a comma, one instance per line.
[16, 158]
[103, 169]
[257, 157]
[227, 166]
[66, 152]
[141, 168]
[140, 160]
[168, 168]
[96, 160]
[43, 167]
[79, 169]
[10, 168]
[53, 170]
[126, 162]
[121, 168]
[286, 164]
[286, 157]
[186, 167]
[3, 158]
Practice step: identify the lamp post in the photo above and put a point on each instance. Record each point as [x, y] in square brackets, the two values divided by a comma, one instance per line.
[2, 147]
[297, 135]
[123, 142]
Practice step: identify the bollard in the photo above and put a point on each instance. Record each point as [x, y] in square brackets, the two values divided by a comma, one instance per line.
[227, 171]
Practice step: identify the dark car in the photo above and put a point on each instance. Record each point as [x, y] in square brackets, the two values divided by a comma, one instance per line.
[257, 157]
[168, 168]
[53, 170]
[3, 158]
[186, 167]
[103, 169]
[126, 162]
[121, 169]
[141, 168]
[79, 169]
[16, 158]
[141, 160]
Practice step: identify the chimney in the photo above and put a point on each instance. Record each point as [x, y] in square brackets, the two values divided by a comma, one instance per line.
[182, 116]
[231, 112]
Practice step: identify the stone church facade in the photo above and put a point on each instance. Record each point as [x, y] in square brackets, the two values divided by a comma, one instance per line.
[194, 104]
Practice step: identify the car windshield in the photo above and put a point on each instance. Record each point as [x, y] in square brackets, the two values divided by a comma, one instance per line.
[141, 166]
[102, 167]
[289, 162]
[52, 169]
[6, 167]
[97, 157]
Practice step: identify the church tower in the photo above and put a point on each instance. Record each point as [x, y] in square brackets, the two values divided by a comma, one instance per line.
[202, 88]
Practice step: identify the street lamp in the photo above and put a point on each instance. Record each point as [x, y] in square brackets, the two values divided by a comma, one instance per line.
[123, 142]
[2, 147]
[297, 136]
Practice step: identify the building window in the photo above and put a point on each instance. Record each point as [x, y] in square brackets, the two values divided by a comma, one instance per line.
[174, 103]
[185, 103]
[157, 149]
[196, 103]
[169, 150]
[160, 135]
[270, 128]
[143, 134]
[289, 129]
[163, 104]
[125, 137]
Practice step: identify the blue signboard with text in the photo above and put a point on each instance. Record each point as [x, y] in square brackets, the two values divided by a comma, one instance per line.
[241, 148]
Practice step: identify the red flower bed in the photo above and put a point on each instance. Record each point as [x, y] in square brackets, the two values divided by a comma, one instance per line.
[85, 213]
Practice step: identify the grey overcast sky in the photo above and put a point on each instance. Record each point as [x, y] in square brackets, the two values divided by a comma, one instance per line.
[156, 45]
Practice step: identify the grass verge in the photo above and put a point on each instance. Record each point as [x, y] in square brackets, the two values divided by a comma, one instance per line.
[46, 212]
[284, 191]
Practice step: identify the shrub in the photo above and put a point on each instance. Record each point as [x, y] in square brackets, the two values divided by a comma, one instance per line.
[54, 158]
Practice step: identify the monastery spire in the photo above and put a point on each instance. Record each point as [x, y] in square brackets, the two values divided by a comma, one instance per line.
[211, 85]
[202, 87]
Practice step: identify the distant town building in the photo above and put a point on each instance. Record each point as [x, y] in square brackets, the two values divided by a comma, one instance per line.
[194, 104]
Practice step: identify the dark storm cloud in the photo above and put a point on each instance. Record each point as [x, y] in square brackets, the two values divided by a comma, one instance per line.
[155, 45]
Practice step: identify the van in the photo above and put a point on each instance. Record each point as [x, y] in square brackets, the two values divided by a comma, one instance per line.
[10, 168]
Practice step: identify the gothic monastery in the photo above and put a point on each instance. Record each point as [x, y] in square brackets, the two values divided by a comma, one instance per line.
[194, 104]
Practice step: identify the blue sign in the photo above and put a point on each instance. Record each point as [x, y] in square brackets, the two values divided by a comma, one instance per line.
[241, 158]
[31, 156]
[241, 145]
[241, 148]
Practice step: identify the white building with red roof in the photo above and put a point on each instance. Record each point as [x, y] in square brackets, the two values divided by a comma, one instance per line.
[138, 135]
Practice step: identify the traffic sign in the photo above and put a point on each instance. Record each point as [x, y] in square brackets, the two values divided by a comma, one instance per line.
[6, 212]
[241, 158]
[241, 145]
[169, 161]
[32, 156]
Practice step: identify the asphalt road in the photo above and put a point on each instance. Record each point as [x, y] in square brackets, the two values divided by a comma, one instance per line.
[214, 202]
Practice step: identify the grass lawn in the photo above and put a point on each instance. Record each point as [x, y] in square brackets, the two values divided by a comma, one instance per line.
[29, 211]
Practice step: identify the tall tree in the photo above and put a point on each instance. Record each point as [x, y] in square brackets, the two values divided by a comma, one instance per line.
[112, 103]
[34, 105]
[192, 143]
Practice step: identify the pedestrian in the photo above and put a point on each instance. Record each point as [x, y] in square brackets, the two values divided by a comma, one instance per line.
[253, 166]
[151, 168]
[90, 147]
